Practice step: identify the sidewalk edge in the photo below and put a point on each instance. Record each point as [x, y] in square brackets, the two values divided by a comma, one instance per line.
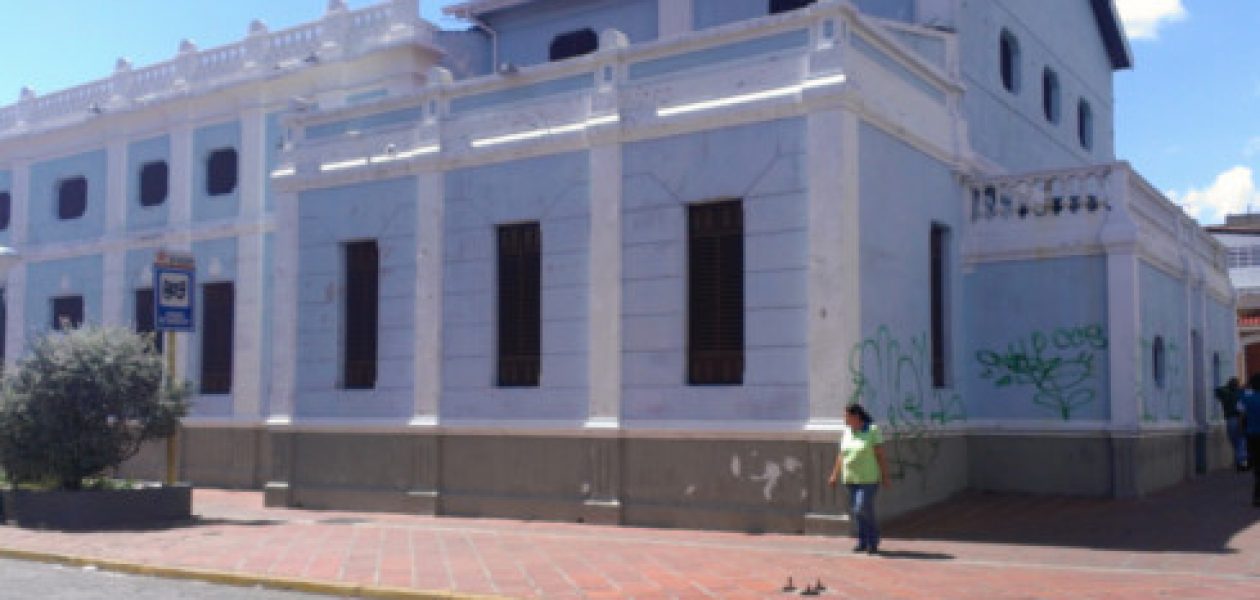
[351, 590]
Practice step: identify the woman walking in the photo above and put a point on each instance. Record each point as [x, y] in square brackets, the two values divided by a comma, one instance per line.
[862, 467]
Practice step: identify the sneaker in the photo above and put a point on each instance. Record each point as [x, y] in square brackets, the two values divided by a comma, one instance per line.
[859, 548]
[873, 550]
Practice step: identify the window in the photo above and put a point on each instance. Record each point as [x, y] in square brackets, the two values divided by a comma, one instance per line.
[1217, 376]
[144, 317]
[67, 312]
[520, 304]
[154, 182]
[71, 198]
[6, 209]
[715, 293]
[362, 302]
[574, 43]
[1157, 361]
[778, 6]
[940, 305]
[221, 172]
[1009, 48]
[1050, 95]
[216, 338]
[1085, 124]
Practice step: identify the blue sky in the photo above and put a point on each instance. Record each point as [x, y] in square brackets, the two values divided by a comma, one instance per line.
[1188, 115]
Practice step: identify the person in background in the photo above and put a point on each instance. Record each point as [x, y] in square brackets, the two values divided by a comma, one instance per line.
[862, 467]
[1250, 407]
[1229, 395]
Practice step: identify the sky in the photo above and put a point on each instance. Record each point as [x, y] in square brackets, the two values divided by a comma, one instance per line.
[1187, 115]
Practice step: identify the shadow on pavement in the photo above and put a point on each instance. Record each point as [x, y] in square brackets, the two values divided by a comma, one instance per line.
[1206, 515]
[912, 555]
[168, 525]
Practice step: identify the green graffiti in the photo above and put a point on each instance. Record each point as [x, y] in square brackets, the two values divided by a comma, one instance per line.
[1059, 365]
[894, 380]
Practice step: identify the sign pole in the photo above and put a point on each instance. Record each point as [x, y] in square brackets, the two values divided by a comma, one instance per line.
[172, 442]
[174, 291]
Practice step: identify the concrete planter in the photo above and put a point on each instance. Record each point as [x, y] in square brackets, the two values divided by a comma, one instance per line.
[96, 509]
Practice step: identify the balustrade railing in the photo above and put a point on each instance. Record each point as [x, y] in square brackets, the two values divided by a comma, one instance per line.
[340, 33]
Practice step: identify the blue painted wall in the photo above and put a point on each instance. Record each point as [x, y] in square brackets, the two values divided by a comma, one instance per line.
[526, 32]
[1163, 314]
[70, 277]
[467, 52]
[138, 154]
[891, 368]
[206, 140]
[764, 165]
[1037, 347]
[45, 227]
[711, 13]
[384, 211]
[477, 200]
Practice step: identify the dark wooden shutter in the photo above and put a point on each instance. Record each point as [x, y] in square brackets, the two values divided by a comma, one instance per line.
[520, 305]
[72, 198]
[940, 345]
[4, 327]
[715, 291]
[221, 172]
[145, 316]
[216, 338]
[362, 309]
[778, 6]
[67, 310]
[573, 43]
[6, 209]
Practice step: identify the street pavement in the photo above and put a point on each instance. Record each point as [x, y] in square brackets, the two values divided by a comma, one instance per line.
[1199, 540]
[23, 580]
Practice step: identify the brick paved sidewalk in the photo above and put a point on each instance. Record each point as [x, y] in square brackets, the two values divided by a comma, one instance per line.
[1198, 541]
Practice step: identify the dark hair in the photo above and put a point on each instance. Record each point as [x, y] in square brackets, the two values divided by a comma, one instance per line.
[858, 411]
[1232, 383]
[1254, 382]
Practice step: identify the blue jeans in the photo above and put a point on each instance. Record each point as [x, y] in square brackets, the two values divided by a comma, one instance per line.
[1238, 439]
[862, 509]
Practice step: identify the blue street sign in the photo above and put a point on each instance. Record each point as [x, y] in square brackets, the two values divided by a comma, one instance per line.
[174, 293]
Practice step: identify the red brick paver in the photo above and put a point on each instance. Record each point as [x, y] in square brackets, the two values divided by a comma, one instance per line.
[1198, 541]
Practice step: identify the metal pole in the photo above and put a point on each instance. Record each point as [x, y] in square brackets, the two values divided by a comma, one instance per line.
[172, 442]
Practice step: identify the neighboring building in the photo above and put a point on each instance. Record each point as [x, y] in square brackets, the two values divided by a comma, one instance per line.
[1241, 237]
[628, 260]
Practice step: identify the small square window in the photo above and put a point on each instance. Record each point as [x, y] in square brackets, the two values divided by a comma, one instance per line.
[573, 43]
[6, 208]
[71, 198]
[221, 172]
[154, 180]
[67, 312]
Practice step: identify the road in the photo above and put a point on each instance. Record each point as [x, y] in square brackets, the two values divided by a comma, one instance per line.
[25, 580]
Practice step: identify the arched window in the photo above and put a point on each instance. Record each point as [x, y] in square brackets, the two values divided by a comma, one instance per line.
[1085, 124]
[1009, 49]
[1158, 360]
[574, 43]
[1050, 95]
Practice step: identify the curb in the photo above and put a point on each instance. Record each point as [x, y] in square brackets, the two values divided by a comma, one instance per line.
[350, 590]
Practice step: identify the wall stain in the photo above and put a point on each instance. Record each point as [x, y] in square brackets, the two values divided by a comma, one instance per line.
[1061, 365]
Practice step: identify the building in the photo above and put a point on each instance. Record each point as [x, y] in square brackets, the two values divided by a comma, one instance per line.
[1241, 237]
[627, 260]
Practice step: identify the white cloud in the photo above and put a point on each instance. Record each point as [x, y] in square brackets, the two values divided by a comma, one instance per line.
[1143, 18]
[1234, 191]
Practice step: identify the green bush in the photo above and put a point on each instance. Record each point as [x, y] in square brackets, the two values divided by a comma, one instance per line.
[82, 402]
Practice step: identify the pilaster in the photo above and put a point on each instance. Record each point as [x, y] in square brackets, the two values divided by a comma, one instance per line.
[1119, 238]
[835, 311]
[247, 384]
[115, 283]
[604, 272]
[431, 198]
[284, 309]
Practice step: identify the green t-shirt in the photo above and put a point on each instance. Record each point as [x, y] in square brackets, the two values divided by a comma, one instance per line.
[858, 450]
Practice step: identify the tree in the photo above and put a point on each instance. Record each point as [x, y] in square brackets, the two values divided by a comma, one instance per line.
[82, 402]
